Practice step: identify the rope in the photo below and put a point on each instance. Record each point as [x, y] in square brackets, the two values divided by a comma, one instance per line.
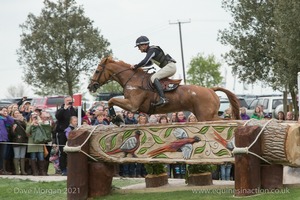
[245, 150]
[78, 148]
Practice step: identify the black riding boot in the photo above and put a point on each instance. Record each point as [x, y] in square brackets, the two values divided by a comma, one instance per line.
[160, 91]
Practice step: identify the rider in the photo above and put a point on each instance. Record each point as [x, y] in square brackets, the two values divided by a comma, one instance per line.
[156, 55]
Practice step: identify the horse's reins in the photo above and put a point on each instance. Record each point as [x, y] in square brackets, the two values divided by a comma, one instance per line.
[113, 75]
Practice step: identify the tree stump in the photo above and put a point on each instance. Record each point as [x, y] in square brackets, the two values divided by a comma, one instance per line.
[100, 178]
[156, 180]
[200, 179]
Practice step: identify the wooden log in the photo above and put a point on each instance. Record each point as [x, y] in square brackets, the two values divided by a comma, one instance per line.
[247, 166]
[271, 177]
[280, 141]
[200, 179]
[156, 180]
[106, 140]
[100, 178]
[77, 182]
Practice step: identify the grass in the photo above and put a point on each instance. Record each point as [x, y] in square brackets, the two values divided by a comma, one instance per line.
[24, 189]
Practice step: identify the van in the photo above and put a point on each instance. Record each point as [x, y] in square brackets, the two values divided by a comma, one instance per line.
[48, 102]
[269, 103]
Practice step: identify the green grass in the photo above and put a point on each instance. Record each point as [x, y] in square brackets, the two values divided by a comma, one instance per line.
[24, 189]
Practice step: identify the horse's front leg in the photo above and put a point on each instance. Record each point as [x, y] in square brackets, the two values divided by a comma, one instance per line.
[126, 104]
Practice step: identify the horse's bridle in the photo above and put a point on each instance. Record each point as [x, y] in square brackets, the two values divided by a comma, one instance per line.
[97, 71]
[110, 79]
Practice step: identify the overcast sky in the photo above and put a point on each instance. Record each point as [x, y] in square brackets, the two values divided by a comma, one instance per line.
[121, 22]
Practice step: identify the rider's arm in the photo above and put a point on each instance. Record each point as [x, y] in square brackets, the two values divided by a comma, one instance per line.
[147, 60]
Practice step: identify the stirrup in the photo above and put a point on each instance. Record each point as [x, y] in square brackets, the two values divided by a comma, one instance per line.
[161, 101]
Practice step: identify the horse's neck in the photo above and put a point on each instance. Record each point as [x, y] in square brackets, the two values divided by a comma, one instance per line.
[124, 75]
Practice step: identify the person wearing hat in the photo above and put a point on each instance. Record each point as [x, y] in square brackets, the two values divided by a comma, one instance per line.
[25, 110]
[154, 54]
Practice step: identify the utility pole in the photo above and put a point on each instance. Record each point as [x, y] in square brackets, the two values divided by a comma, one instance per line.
[179, 24]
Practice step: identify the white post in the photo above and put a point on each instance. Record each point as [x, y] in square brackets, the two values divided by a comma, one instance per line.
[77, 102]
[298, 78]
[79, 115]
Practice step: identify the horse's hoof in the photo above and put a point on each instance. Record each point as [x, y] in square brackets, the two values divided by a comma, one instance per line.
[117, 120]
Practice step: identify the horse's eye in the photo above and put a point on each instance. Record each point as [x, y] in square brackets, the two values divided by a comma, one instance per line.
[97, 71]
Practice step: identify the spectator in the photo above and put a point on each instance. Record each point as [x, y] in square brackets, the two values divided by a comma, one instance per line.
[73, 124]
[244, 115]
[192, 118]
[128, 169]
[181, 117]
[63, 116]
[36, 150]
[163, 119]
[290, 116]
[153, 119]
[46, 118]
[25, 110]
[225, 171]
[258, 114]
[18, 135]
[100, 115]
[174, 117]
[281, 115]
[5, 122]
[140, 167]
[54, 158]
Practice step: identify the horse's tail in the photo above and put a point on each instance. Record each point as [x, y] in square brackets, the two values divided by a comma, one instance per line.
[234, 101]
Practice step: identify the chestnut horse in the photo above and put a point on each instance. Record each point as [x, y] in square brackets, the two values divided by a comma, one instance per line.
[201, 101]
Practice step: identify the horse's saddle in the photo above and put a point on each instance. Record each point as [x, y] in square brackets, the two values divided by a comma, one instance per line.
[167, 84]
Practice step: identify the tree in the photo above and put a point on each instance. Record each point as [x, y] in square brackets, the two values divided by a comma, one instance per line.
[204, 71]
[264, 37]
[16, 91]
[58, 47]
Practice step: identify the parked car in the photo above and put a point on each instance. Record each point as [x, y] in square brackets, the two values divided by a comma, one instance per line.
[269, 103]
[4, 103]
[48, 102]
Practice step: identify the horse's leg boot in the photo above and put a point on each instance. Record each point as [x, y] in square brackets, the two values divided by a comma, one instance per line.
[112, 112]
[160, 91]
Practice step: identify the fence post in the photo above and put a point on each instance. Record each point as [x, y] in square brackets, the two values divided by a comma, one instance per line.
[247, 166]
[77, 182]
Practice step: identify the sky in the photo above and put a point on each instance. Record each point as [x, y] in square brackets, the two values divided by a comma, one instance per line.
[121, 22]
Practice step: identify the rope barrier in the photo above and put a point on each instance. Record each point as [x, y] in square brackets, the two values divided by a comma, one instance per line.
[245, 150]
[78, 148]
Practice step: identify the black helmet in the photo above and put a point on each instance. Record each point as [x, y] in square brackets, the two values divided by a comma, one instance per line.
[141, 40]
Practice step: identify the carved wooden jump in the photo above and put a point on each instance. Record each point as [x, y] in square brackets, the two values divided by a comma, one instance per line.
[270, 143]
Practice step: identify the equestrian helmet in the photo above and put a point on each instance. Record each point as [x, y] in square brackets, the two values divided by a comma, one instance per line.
[141, 40]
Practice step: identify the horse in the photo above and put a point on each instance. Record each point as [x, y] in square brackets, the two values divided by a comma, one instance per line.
[139, 94]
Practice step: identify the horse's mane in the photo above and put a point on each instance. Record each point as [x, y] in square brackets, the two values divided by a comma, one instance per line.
[110, 59]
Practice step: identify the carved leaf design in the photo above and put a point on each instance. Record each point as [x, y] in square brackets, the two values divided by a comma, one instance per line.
[144, 139]
[113, 142]
[154, 129]
[204, 129]
[157, 139]
[127, 134]
[230, 133]
[142, 150]
[103, 143]
[168, 132]
[199, 150]
[222, 152]
[162, 155]
[219, 129]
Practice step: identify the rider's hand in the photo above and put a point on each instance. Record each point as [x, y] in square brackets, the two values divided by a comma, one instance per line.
[132, 67]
